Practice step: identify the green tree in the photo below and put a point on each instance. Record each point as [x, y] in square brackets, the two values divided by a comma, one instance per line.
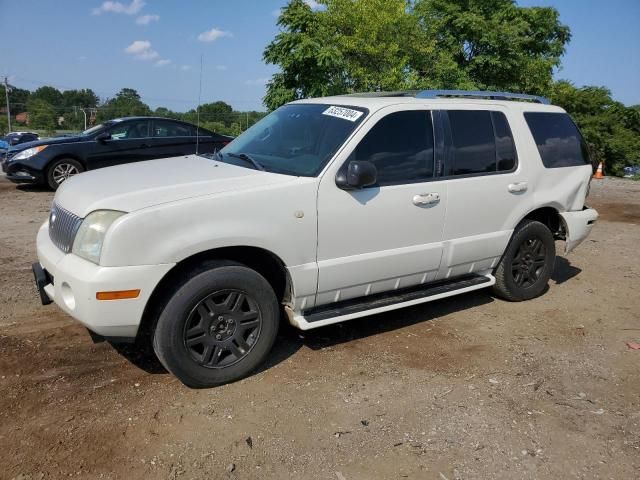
[42, 115]
[73, 101]
[494, 44]
[18, 98]
[611, 130]
[363, 45]
[126, 103]
[51, 95]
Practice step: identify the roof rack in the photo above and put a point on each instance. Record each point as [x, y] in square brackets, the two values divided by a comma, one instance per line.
[482, 94]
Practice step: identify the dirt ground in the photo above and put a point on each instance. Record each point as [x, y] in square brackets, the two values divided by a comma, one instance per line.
[467, 387]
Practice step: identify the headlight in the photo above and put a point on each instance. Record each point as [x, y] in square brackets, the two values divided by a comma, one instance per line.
[88, 241]
[29, 152]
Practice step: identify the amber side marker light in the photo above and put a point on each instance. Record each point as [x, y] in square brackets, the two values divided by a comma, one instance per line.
[117, 295]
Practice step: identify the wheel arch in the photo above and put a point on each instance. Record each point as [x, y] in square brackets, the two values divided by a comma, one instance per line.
[547, 215]
[263, 261]
[63, 156]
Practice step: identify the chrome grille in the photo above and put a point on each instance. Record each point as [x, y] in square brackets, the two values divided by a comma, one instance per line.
[63, 226]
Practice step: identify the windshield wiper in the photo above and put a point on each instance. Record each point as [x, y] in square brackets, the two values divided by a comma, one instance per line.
[247, 158]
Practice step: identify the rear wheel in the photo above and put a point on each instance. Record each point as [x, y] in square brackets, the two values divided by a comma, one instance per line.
[526, 266]
[62, 170]
[218, 326]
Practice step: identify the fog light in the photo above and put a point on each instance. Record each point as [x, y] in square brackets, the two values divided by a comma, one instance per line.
[67, 296]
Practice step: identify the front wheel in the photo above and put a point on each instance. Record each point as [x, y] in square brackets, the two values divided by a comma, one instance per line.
[526, 265]
[218, 326]
[62, 170]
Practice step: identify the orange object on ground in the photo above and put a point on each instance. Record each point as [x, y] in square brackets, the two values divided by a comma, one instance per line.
[599, 174]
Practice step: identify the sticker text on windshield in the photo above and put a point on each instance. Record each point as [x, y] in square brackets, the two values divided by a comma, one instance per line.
[344, 113]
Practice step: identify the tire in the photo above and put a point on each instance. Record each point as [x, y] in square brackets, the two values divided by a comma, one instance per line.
[61, 170]
[218, 326]
[526, 265]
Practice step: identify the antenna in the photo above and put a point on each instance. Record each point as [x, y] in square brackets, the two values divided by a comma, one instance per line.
[198, 109]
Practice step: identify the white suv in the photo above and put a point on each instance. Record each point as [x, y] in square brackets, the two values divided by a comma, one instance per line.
[326, 210]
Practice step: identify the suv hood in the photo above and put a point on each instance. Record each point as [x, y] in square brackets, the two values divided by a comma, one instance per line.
[139, 185]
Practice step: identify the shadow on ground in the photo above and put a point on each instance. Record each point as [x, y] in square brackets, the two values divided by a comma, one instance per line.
[564, 271]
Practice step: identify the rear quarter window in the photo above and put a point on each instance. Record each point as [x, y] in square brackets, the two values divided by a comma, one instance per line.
[558, 139]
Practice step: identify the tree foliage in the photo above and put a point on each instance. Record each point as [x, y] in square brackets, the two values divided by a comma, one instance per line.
[126, 103]
[611, 129]
[41, 114]
[370, 45]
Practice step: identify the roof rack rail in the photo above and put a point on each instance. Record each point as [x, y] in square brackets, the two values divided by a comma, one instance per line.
[482, 94]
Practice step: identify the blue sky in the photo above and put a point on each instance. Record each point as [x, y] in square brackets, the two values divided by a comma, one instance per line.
[154, 46]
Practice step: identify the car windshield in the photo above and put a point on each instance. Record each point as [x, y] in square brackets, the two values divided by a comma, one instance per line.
[296, 139]
[94, 129]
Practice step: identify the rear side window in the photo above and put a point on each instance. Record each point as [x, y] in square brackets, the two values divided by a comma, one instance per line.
[480, 141]
[558, 139]
[400, 146]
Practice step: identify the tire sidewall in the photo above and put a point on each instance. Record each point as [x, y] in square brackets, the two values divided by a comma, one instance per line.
[525, 232]
[168, 335]
[50, 181]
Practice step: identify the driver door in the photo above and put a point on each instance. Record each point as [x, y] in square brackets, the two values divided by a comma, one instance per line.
[387, 236]
[130, 142]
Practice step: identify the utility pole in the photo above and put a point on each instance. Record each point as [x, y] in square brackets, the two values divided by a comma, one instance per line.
[6, 94]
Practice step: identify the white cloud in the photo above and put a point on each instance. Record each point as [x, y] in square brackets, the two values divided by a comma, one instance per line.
[213, 34]
[162, 62]
[184, 68]
[257, 81]
[142, 50]
[147, 19]
[82, 58]
[116, 7]
[276, 12]
[222, 68]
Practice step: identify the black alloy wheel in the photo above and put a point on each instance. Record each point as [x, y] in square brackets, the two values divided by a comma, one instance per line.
[222, 328]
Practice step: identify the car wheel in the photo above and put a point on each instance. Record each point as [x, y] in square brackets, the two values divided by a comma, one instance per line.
[61, 170]
[526, 266]
[218, 326]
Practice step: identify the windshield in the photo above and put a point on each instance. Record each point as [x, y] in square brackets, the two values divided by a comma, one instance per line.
[94, 129]
[296, 139]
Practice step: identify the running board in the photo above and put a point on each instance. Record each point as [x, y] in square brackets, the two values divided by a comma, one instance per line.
[384, 302]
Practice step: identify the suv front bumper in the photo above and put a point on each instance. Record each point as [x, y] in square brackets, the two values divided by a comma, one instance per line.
[72, 283]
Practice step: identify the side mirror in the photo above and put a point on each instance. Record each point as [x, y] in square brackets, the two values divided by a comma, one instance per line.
[358, 174]
[103, 137]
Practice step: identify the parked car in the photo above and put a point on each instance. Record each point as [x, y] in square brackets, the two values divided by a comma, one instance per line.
[327, 209]
[123, 140]
[15, 138]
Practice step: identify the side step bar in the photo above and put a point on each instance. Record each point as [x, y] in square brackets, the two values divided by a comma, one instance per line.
[384, 302]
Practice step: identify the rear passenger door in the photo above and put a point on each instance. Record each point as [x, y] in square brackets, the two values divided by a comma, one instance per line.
[172, 139]
[487, 188]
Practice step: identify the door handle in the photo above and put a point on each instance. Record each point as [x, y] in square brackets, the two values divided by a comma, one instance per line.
[426, 199]
[144, 145]
[518, 187]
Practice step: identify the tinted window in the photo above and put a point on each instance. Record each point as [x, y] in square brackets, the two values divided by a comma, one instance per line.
[558, 139]
[167, 128]
[400, 146]
[505, 148]
[129, 130]
[473, 146]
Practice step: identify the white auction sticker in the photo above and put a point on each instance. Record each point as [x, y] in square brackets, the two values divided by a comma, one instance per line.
[344, 113]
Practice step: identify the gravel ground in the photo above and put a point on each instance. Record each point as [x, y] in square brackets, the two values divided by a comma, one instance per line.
[467, 387]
